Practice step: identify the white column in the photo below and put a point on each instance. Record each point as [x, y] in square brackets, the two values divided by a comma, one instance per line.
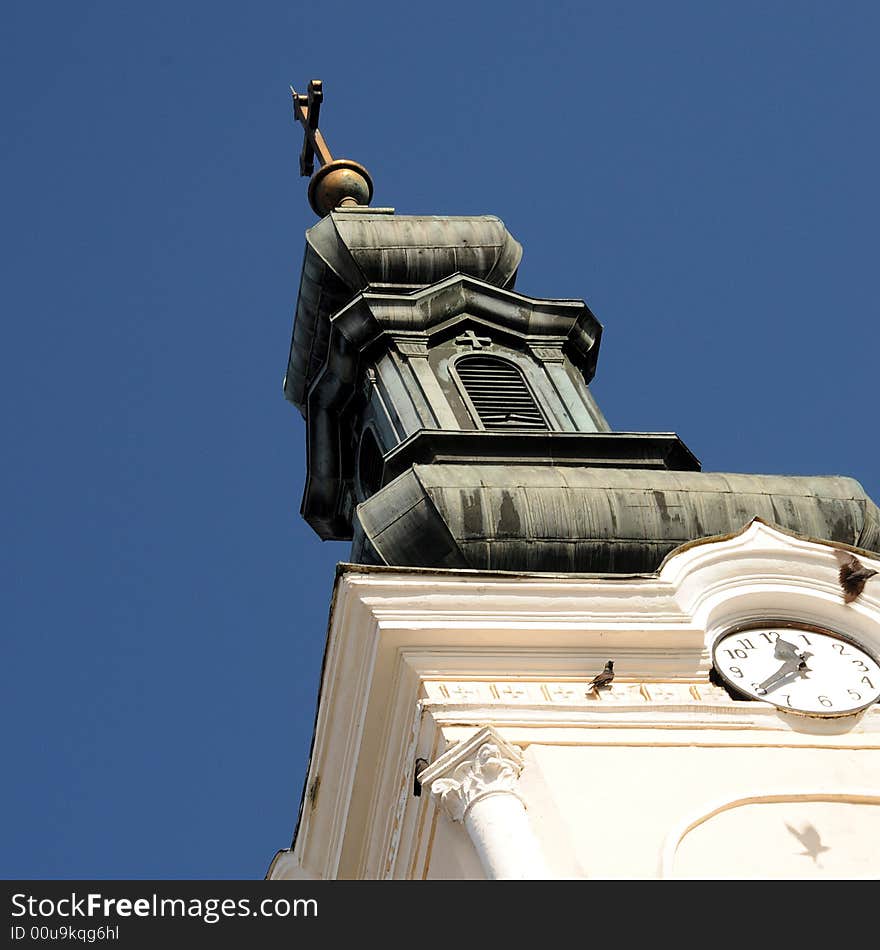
[475, 783]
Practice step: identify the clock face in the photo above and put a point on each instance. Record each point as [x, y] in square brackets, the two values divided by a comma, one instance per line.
[799, 668]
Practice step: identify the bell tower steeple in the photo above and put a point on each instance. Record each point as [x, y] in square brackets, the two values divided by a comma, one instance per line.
[411, 345]
[558, 651]
[443, 405]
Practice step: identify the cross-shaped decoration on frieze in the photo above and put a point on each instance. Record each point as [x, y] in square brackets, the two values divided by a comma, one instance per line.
[562, 694]
[469, 338]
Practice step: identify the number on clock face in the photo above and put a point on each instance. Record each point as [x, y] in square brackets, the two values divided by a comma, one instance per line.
[803, 669]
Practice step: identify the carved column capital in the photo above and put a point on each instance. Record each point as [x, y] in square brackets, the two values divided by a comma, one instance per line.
[484, 765]
[475, 784]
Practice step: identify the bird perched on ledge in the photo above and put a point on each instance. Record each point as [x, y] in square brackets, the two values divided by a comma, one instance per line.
[853, 575]
[602, 680]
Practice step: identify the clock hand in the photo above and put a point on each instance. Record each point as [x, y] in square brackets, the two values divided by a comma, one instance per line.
[783, 650]
[789, 666]
[797, 665]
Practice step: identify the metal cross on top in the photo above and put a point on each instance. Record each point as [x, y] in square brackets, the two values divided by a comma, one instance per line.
[307, 110]
[339, 181]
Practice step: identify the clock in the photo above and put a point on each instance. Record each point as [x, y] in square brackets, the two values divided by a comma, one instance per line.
[798, 667]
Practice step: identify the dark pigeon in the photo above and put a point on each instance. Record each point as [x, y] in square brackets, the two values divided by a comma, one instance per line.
[603, 680]
[853, 575]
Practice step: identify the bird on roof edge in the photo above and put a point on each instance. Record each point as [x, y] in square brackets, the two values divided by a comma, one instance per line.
[603, 680]
[853, 575]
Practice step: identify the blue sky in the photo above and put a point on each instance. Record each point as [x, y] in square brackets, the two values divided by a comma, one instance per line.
[703, 174]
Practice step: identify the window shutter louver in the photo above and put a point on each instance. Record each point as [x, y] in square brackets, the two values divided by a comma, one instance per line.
[499, 393]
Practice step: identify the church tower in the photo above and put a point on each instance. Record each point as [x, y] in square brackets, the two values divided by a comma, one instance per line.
[507, 547]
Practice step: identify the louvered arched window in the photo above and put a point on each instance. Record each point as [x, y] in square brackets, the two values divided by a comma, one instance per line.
[499, 393]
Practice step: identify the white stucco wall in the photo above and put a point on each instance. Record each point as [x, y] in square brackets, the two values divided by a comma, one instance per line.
[618, 811]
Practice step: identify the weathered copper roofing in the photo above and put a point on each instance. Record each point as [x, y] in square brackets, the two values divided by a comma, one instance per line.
[352, 250]
[386, 305]
[579, 519]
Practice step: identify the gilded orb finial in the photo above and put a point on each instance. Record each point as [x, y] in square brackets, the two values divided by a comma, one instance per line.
[339, 182]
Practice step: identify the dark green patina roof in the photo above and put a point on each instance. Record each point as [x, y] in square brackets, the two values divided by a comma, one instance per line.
[579, 519]
[388, 306]
[355, 250]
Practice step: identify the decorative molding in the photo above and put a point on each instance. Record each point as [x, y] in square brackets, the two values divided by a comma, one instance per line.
[368, 381]
[567, 693]
[482, 766]
[548, 354]
[404, 792]
[412, 347]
